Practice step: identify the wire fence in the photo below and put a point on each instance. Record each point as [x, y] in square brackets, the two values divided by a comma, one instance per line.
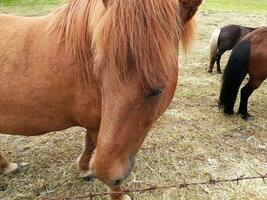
[153, 188]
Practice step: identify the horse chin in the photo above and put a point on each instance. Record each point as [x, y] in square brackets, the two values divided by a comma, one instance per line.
[118, 196]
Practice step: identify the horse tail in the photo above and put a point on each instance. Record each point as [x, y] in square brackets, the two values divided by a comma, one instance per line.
[235, 72]
[214, 43]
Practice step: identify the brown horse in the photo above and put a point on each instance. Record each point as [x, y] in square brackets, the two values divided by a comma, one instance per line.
[225, 39]
[108, 66]
[248, 57]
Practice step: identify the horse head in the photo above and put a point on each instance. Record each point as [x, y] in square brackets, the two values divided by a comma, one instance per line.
[136, 59]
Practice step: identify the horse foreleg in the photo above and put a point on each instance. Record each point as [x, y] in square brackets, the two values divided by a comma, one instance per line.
[8, 167]
[117, 194]
[83, 160]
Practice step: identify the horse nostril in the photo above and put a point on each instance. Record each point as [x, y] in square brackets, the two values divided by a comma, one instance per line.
[118, 182]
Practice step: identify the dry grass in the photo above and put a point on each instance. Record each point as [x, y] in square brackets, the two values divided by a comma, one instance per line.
[191, 141]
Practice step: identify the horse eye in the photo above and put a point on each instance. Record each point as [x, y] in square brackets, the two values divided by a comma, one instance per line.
[155, 92]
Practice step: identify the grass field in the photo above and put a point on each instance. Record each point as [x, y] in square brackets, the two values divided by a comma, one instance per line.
[192, 141]
[28, 7]
[37, 7]
[258, 6]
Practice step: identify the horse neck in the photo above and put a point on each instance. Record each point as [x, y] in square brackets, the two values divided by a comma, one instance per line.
[72, 24]
[70, 31]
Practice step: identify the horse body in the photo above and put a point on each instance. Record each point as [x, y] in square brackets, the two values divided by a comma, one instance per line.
[257, 66]
[249, 56]
[40, 92]
[26, 107]
[107, 66]
[225, 39]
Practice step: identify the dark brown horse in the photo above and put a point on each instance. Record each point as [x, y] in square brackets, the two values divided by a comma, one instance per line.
[225, 39]
[249, 56]
[107, 66]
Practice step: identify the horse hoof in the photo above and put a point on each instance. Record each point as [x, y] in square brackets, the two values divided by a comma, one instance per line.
[210, 71]
[219, 72]
[126, 197]
[246, 117]
[87, 176]
[15, 168]
[229, 112]
[20, 168]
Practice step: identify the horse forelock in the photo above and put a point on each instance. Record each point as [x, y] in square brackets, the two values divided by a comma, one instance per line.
[140, 34]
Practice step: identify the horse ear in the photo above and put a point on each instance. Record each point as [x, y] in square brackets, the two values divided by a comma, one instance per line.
[105, 2]
[188, 9]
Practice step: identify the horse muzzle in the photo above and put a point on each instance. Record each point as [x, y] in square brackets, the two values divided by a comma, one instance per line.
[113, 177]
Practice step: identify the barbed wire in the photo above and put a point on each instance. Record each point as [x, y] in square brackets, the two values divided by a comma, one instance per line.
[152, 188]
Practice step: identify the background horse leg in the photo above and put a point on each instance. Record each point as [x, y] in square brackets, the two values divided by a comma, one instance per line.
[219, 56]
[84, 159]
[246, 92]
[219, 70]
[214, 59]
[118, 195]
[6, 166]
[217, 59]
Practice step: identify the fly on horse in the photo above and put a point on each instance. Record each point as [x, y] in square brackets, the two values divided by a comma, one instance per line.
[225, 39]
[248, 57]
[107, 66]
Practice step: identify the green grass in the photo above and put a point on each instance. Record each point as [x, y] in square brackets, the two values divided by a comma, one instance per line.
[28, 7]
[40, 7]
[29, 2]
[256, 6]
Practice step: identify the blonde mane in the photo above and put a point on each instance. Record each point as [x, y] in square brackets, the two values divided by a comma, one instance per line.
[142, 35]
